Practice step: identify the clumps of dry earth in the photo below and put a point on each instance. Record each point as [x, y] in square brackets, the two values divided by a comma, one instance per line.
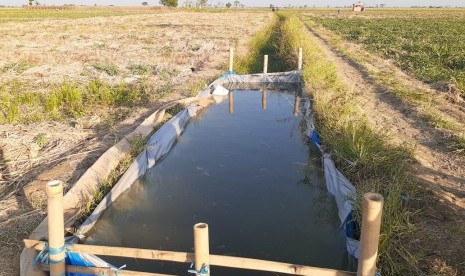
[170, 55]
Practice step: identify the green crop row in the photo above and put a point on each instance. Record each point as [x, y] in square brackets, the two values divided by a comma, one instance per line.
[431, 49]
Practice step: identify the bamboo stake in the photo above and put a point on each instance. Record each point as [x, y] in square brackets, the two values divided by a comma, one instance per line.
[56, 231]
[265, 64]
[264, 99]
[296, 105]
[182, 257]
[369, 239]
[231, 102]
[105, 271]
[201, 248]
[231, 59]
[300, 59]
[262, 265]
[137, 253]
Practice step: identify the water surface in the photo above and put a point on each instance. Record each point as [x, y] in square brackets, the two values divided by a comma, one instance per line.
[243, 167]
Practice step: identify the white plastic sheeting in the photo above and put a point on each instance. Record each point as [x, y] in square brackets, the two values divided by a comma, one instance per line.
[162, 141]
[336, 183]
[157, 147]
[343, 191]
[284, 77]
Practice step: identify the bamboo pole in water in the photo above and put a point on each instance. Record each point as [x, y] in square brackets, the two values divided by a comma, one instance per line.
[265, 64]
[264, 99]
[56, 231]
[231, 59]
[369, 239]
[231, 102]
[296, 105]
[300, 60]
[201, 249]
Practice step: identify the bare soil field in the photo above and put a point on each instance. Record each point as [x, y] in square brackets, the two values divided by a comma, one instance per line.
[159, 56]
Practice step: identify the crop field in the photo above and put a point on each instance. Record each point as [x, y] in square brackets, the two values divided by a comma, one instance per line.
[428, 44]
[397, 73]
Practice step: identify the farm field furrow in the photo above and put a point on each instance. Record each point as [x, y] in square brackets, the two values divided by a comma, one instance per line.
[428, 45]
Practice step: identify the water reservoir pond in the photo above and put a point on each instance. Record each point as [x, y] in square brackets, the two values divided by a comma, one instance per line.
[244, 167]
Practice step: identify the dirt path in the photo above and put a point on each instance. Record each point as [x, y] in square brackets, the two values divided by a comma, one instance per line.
[441, 218]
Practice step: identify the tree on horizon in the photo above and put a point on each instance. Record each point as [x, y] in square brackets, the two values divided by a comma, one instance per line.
[169, 3]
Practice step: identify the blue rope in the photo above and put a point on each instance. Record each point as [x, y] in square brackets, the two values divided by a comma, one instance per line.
[205, 270]
[227, 74]
[44, 254]
[55, 251]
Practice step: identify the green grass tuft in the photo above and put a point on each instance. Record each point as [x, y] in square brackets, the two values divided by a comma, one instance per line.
[110, 69]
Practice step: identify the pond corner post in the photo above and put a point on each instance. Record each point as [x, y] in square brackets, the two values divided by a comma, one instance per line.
[264, 99]
[231, 102]
[231, 59]
[296, 106]
[265, 64]
[369, 239]
[56, 232]
[201, 249]
[299, 66]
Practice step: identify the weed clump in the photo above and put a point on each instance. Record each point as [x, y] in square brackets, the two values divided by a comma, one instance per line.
[110, 69]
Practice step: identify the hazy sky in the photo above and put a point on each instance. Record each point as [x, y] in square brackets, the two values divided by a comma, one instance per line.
[310, 3]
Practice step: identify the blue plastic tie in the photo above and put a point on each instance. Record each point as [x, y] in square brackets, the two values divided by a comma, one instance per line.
[44, 254]
[203, 271]
[227, 74]
[54, 251]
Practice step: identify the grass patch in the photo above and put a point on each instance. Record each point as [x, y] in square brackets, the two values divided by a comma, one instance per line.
[68, 100]
[137, 143]
[110, 69]
[140, 69]
[18, 67]
[104, 188]
[362, 153]
[194, 88]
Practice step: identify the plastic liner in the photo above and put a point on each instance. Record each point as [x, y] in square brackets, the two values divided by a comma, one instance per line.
[336, 184]
[162, 141]
[157, 147]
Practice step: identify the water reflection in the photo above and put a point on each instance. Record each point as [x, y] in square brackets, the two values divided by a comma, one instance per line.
[264, 99]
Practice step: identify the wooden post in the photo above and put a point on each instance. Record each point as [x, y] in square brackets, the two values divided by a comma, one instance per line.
[369, 239]
[264, 99]
[265, 64]
[300, 60]
[296, 105]
[56, 232]
[231, 102]
[231, 59]
[201, 248]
